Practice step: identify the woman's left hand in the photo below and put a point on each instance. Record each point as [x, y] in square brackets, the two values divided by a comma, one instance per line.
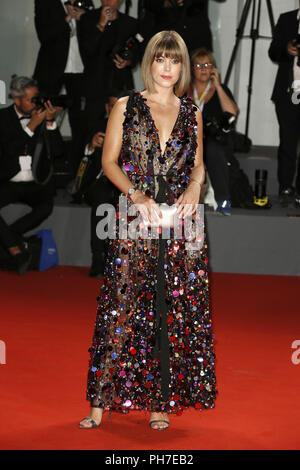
[188, 201]
[215, 77]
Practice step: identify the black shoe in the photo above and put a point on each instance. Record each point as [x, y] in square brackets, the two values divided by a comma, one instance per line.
[297, 199]
[21, 261]
[97, 268]
[96, 272]
[286, 196]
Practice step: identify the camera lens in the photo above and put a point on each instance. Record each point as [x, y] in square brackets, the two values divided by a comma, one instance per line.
[260, 183]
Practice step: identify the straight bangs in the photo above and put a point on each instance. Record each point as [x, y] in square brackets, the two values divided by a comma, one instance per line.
[169, 48]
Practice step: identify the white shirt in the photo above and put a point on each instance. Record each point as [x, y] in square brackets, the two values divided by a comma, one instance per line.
[296, 84]
[25, 161]
[74, 62]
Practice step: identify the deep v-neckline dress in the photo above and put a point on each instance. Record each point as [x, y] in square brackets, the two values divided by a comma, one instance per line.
[152, 347]
[156, 128]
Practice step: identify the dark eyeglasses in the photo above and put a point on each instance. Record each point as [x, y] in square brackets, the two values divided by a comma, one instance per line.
[203, 66]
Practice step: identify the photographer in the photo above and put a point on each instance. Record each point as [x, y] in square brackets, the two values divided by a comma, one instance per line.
[25, 171]
[188, 17]
[104, 35]
[60, 60]
[214, 99]
[285, 50]
[95, 187]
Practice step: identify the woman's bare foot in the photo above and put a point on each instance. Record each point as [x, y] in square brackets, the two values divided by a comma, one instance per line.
[95, 414]
[160, 418]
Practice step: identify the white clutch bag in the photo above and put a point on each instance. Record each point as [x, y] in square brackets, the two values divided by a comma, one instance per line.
[168, 216]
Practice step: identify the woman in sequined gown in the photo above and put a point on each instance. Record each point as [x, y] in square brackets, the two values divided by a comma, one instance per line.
[152, 347]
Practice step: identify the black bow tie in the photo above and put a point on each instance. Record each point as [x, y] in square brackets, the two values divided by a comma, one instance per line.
[24, 117]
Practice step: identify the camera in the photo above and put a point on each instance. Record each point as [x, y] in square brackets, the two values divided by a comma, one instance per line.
[62, 101]
[83, 4]
[296, 43]
[173, 3]
[218, 129]
[126, 51]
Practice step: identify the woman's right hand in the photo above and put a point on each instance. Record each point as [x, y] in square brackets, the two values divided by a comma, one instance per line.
[147, 207]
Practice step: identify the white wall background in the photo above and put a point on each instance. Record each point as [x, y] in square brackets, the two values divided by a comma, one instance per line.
[19, 47]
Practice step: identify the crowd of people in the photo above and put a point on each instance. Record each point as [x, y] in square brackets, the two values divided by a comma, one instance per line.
[92, 53]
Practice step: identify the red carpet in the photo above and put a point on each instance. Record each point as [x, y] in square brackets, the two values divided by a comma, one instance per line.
[47, 322]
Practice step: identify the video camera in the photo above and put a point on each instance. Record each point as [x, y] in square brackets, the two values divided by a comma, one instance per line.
[219, 129]
[126, 51]
[61, 101]
[83, 4]
[296, 43]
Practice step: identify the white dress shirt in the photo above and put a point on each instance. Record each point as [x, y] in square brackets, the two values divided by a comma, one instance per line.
[296, 84]
[74, 62]
[25, 161]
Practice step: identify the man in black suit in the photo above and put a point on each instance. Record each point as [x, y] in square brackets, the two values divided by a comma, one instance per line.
[103, 31]
[188, 17]
[283, 51]
[60, 61]
[29, 139]
[100, 190]
[92, 186]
